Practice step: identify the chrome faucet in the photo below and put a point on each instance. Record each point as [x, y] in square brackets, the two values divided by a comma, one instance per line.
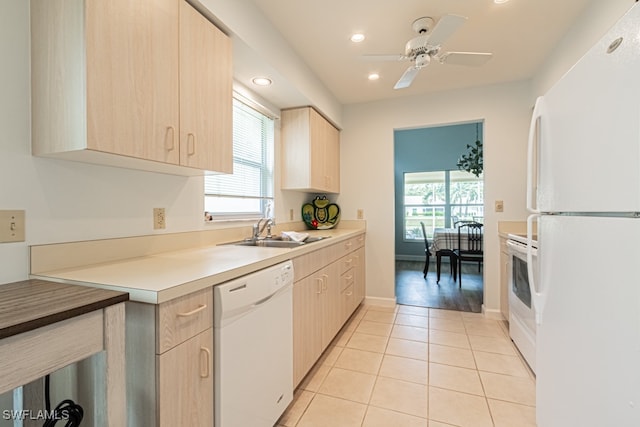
[257, 230]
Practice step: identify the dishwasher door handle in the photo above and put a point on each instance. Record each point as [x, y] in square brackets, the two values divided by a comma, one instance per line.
[262, 301]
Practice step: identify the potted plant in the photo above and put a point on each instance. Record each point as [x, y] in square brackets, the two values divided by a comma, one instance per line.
[472, 161]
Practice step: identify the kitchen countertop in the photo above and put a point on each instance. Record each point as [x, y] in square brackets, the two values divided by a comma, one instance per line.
[32, 304]
[511, 227]
[164, 276]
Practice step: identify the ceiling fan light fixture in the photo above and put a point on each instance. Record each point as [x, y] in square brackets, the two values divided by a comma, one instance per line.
[357, 37]
[423, 60]
[262, 81]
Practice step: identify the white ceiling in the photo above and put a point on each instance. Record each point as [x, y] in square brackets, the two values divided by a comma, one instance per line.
[520, 34]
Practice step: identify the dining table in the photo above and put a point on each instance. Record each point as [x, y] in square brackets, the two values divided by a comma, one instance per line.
[444, 242]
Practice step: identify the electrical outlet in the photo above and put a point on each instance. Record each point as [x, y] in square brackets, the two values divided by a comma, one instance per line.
[159, 219]
[12, 226]
[499, 206]
[360, 214]
[290, 214]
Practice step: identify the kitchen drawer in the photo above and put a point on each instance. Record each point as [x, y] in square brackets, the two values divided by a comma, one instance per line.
[307, 264]
[347, 279]
[350, 245]
[347, 263]
[183, 318]
[347, 302]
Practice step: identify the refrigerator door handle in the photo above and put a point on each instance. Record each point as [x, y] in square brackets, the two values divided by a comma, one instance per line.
[537, 297]
[533, 146]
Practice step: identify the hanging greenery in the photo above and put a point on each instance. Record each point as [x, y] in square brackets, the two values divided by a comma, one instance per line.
[472, 161]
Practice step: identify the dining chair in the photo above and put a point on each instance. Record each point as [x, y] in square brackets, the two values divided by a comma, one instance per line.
[472, 251]
[458, 223]
[439, 254]
[427, 252]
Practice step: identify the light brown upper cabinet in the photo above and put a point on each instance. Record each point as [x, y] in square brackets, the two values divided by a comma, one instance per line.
[137, 84]
[310, 152]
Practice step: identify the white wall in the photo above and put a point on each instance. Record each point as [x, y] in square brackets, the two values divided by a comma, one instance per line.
[594, 21]
[367, 167]
[68, 201]
[252, 28]
[367, 148]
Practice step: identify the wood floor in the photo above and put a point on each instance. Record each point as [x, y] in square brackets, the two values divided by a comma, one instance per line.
[413, 289]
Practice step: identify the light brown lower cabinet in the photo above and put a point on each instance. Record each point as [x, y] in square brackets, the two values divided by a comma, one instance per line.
[185, 383]
[169, 354]
[327, 289]
[307, 326]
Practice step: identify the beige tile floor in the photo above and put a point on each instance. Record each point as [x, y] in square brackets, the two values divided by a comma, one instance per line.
[410, 366]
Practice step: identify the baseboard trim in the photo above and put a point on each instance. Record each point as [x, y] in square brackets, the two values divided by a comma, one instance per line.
[411, 258]
[492, 313]
[383, 302]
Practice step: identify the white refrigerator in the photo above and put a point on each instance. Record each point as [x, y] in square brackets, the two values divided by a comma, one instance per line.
[584, 191]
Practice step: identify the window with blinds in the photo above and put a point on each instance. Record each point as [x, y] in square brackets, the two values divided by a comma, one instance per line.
[248, 192]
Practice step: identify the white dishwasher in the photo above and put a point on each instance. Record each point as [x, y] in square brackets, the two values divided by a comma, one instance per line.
[254, 347]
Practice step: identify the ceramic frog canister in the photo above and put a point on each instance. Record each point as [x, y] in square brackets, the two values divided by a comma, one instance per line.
[320, 214]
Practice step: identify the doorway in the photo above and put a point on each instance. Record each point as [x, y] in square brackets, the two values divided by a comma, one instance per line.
[430, 189]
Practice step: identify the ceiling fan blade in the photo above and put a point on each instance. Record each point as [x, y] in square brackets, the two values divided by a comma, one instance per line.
[392, 57]
[446, 26]
[472, 59]
[407, 78]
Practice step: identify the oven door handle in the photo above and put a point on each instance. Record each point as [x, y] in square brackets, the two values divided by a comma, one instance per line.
[517, 249]
[538, 298]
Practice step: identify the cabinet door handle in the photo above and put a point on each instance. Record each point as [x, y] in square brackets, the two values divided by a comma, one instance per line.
[319, 280]
[349, 277]
[191, 144]
[348, 245]
[324, 282]
[170, 143]
[192, 312]
[204, 373]
[349, 293]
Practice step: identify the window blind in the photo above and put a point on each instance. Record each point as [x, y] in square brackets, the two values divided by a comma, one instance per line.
[248, 192]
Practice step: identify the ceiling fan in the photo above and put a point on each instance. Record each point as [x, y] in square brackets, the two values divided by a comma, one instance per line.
[427, 46]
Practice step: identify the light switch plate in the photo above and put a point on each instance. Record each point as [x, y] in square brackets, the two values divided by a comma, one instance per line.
[12, 226]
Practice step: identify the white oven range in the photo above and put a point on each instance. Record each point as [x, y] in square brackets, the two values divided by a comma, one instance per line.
[522, 321]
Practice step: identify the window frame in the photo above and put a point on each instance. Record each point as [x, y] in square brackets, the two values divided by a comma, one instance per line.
[448, 207]
[265, 166]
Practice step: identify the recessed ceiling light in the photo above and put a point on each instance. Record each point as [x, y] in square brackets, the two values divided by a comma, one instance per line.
[357, 38]
[374, 76]
[261, 81]
[500, 1]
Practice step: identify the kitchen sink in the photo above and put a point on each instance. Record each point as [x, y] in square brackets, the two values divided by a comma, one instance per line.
[277, 242]
[270, 243]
